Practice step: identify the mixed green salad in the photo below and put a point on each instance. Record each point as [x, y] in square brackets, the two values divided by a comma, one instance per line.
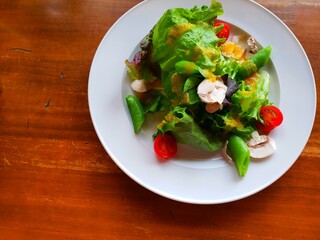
[212, 91]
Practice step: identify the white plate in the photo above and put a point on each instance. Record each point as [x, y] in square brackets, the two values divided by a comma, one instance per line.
[196, 177]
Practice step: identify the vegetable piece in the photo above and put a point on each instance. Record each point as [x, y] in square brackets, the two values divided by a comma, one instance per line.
[225, 154]
[261, 58]
[212, 91]
[139, 85]
[240, 153]
[252, 95]
[224, 32]
[192, 97]
[151, 103]
[254, 63]
[134, 66]
[186, 131]
[191, 82]
[261, 146]
[136, 112]
[177, 37]
[165, 146]
[232, 85]
[271, 116]
[213, 107]
[252, 45]
[186, 67]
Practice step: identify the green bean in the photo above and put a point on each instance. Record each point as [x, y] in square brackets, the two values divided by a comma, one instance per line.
[240, 153]
[257, 61]
[136, 112]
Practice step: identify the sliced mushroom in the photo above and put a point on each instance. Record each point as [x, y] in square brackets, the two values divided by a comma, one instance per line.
[256, 139]
[225, 154]
[139, 86]
[261, 146]
[252, 45]
[212, 91]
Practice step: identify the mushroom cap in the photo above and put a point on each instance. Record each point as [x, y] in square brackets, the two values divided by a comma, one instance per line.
[139, 86]
[263, 148]
[212, 91]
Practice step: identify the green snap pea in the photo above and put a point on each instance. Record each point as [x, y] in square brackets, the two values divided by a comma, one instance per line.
[257, 61]
[240, 153]
[136, 112]
[261, 58]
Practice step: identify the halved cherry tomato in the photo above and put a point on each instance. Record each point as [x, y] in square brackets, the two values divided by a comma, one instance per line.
[224, 32]
[165, 146]
[272, 117]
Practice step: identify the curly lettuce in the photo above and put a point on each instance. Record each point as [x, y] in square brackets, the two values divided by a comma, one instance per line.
[187, 34]
[187, 131]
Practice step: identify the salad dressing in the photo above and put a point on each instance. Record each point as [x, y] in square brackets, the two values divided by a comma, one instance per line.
[176, 83]
[177, 30]
[233, 122]
[250, 84]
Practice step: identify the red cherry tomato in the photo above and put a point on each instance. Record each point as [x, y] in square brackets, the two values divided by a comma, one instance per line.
[224, 32]
[272, 117]
[165, 146]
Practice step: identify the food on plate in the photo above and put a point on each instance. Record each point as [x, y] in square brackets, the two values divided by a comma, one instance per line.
[271, 117]
[137, 112]
[261, 146]
[212, 91]
[240, 152]
[224, 32]
[165, 146]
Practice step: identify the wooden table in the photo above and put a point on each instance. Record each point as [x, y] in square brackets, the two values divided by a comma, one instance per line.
[56, 179]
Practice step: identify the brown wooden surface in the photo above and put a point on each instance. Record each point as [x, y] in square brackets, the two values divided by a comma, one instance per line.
[57, 181]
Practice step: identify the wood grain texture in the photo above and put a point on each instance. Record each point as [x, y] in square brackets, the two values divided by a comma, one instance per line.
[57, 181]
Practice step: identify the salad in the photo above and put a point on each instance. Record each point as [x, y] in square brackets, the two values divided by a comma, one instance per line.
[211, 90]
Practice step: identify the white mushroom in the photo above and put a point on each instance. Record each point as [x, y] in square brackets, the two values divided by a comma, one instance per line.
[212, 91]
[139, 86]
[261, 146]
[225, 154]
[252, 45]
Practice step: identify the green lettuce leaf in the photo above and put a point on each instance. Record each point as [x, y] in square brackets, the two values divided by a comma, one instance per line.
[252, 95]
[187, 131]
[178, 36]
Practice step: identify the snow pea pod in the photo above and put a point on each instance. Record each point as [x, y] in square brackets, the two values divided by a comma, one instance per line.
[136, 112]
[240, 153]
[253, 64]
